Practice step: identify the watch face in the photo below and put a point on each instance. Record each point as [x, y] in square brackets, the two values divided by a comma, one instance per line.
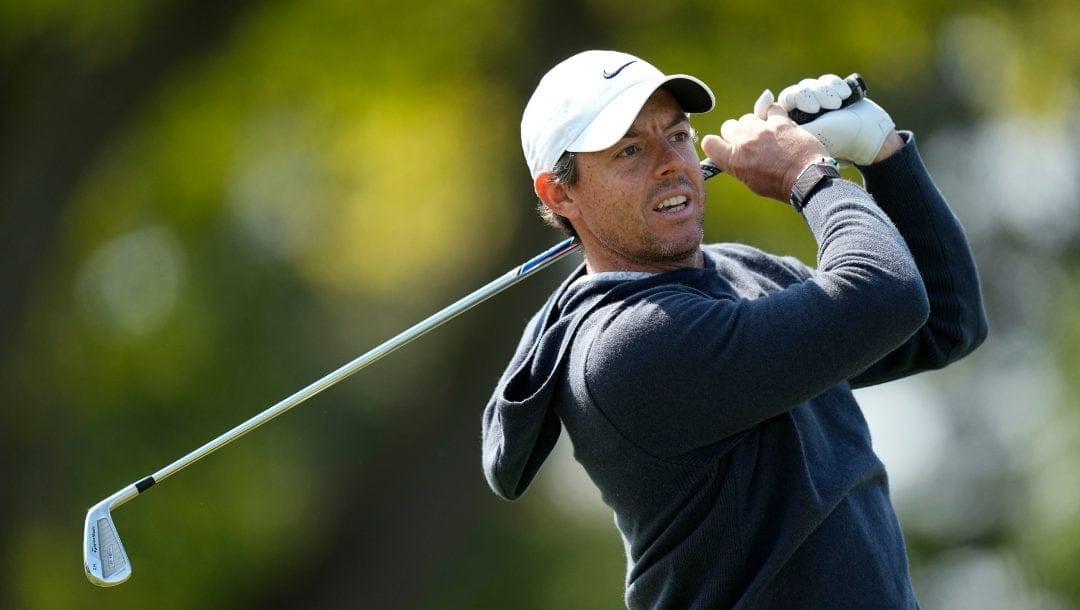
[808, 181]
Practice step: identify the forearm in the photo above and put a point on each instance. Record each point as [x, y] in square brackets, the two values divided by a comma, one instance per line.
[716, 361]
[957, 324]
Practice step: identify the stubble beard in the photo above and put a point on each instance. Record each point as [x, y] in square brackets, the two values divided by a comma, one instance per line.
[671, 253]
[660, 249]
[657, 252]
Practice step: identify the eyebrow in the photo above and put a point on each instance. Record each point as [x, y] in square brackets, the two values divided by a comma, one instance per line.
[680, 117]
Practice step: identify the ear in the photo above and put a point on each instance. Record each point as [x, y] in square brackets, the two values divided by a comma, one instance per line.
[555, 195]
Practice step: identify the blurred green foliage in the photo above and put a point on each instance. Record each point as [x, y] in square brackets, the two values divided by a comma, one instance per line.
[205, 207]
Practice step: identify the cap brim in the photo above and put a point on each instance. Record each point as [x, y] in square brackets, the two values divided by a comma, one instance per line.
[615, 119]
[693, 95]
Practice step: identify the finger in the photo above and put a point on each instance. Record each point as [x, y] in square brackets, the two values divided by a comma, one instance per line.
[837, 84]
[800, 97]
[775, 110]
[718, 150]
[729, 129]
[787, 97]
[762, 104]
[826, 96]
[805, 99]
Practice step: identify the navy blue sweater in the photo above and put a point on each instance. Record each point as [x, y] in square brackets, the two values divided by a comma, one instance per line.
[713, 409]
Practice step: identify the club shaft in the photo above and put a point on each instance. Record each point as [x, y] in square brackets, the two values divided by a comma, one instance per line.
[512, 277]
[104, 557]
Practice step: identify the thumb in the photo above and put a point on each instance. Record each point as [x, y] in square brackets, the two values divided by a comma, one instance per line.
[717, 149]
[761, 106]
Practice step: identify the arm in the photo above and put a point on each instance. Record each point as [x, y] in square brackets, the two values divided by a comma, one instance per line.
[519, 431]
[957, 324]
[865, 134]
[680, 367]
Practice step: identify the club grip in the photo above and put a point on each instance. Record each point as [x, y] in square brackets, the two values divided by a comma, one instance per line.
[858, 92]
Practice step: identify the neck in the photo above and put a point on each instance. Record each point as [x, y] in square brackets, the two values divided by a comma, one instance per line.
[599, 264]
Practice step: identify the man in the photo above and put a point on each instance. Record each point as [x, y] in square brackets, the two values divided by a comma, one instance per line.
[707, 388]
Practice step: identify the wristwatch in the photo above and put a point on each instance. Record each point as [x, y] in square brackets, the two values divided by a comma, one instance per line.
[811, 178]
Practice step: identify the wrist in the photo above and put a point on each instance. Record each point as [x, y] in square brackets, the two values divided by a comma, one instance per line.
[812, 177]
[797, 167]
[893, 143]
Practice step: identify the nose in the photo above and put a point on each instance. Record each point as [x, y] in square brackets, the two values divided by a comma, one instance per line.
[669, 160]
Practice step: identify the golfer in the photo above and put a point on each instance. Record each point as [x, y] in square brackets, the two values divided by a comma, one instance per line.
[707, 388]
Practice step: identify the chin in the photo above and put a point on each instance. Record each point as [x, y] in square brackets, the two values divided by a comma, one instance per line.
[677, 253]
[686, 246]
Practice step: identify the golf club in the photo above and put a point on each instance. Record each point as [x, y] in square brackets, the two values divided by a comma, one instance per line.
[104, 558]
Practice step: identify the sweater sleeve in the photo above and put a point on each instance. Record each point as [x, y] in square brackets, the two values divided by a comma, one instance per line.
[679, 368]
[957, 324]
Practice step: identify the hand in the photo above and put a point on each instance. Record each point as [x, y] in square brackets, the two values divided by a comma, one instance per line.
[858, 133]
[766, 153]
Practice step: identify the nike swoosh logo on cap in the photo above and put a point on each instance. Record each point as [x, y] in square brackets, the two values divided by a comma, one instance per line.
[616, 73]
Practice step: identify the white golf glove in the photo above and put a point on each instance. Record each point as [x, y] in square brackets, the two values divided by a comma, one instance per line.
[855, 133]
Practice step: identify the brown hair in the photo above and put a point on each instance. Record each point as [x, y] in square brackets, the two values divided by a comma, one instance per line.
[565, 172]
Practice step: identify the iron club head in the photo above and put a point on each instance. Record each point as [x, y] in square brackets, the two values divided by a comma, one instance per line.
[104, 557]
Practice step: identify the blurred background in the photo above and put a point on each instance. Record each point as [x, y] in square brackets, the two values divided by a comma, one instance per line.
[205, 206]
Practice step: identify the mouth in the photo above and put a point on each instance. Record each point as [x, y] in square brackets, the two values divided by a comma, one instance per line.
[672, 204]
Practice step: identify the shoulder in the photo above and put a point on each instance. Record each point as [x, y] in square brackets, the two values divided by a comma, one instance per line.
[650, 316]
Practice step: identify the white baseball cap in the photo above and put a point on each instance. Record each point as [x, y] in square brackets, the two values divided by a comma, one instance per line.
[587, 103]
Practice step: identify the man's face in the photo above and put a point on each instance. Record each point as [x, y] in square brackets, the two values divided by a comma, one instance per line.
[640, 205]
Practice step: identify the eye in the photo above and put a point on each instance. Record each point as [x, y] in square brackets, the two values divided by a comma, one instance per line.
[630, 151]
[684, 136]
